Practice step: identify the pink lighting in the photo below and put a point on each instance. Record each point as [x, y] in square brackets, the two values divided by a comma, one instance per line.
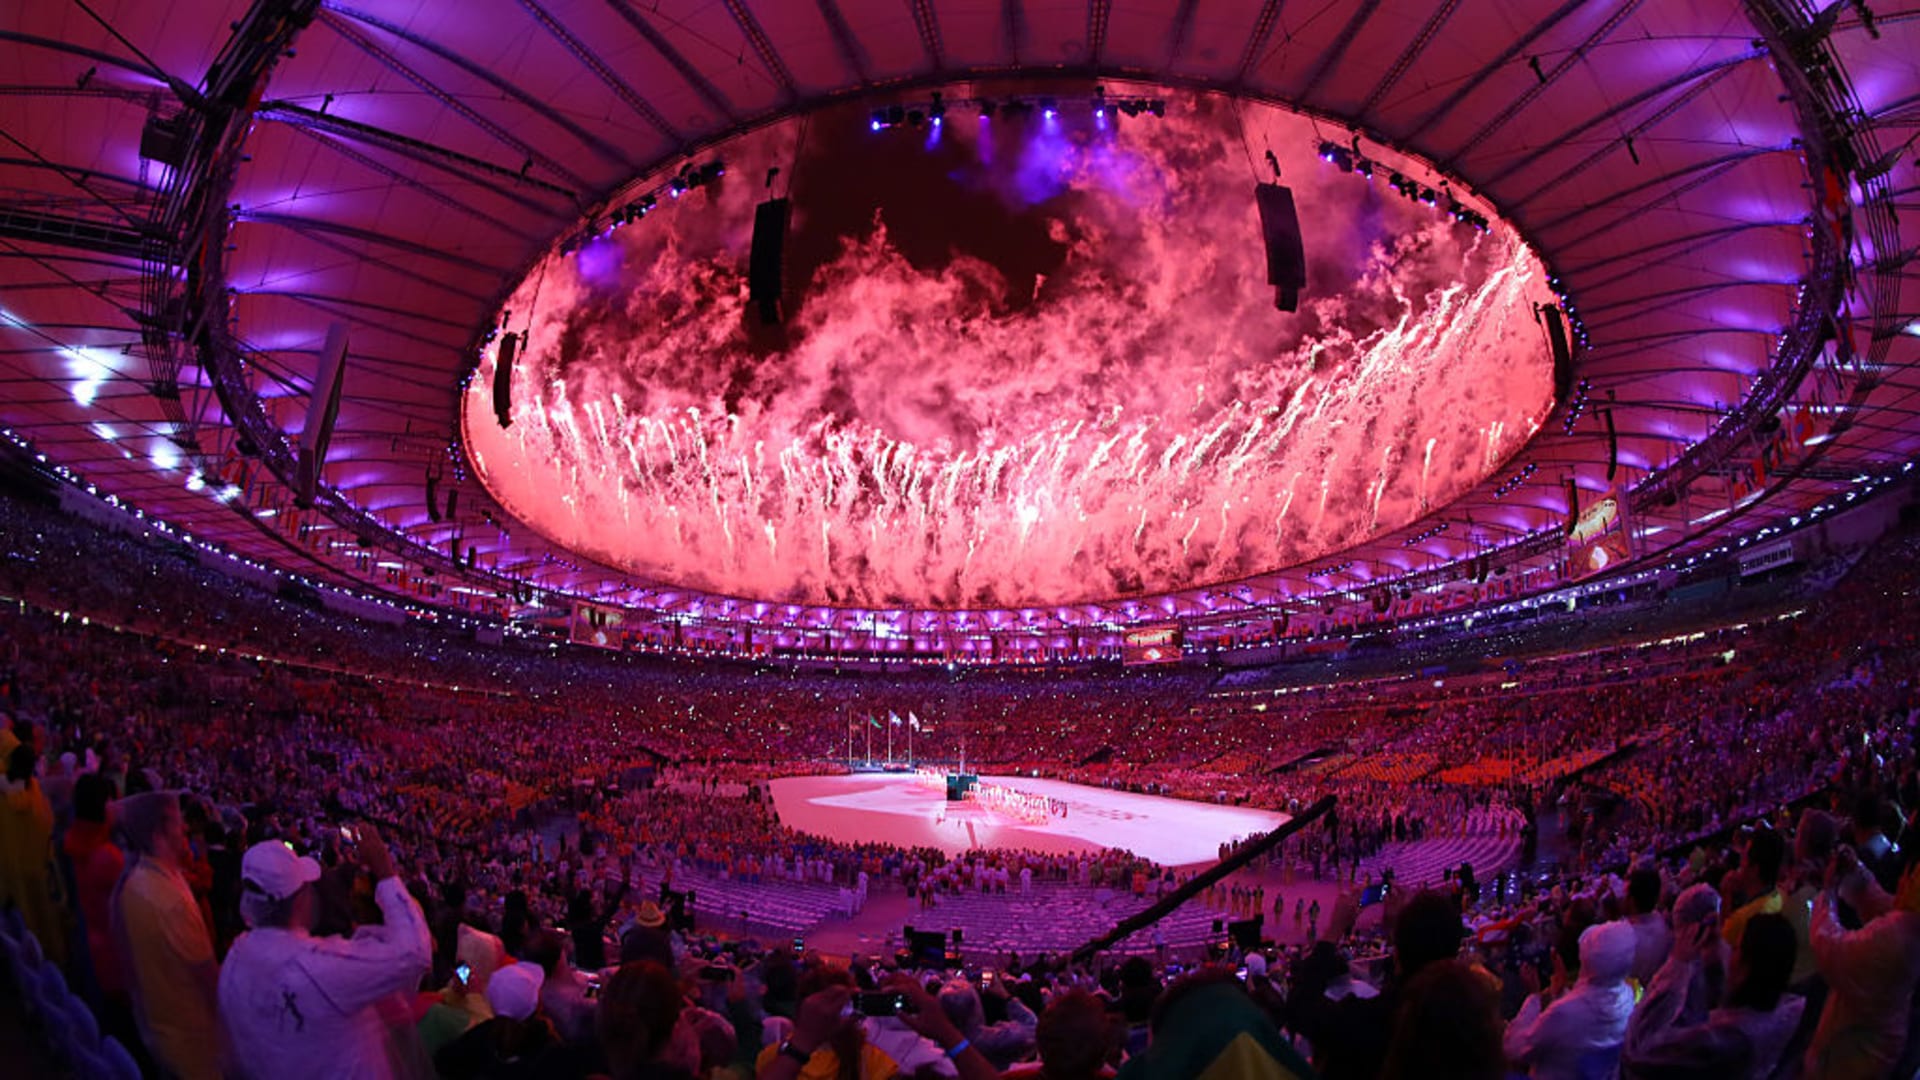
[1056, 377]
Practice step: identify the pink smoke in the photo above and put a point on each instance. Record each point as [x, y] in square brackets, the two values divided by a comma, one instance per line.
[1091, 395]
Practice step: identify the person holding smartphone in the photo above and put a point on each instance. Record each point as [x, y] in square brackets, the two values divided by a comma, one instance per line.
[829, 1030]
[297, 1005]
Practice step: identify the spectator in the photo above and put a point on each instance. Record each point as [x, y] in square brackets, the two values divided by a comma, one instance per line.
[1760, 869]
[1206, 1025]
[97, 864]
[1870, 975]
[563, 991]
[518, 1042]
[1747, 1037]
[828, 1039]
[1448, 1027]
[1651, 938]
[164, 941]
[1076, 1037]
[1579, 1034]
[587, 926]
[27, 878]
[1349, 1036]
[1003, 1043]
[301, 1006]
[639, 1012]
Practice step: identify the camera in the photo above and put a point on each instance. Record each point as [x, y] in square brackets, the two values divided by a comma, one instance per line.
[880, 1003]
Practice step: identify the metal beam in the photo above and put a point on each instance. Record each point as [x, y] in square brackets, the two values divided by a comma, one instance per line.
[707, 91]
[1257, 39]
[554, 116]
[1711, 73]
[452, 101]
[1707, 171]
[763, 46]
[1098, 12]
[1539, 86]
[1341, 43]
[471, 169]
[1693, 240]
[413, 183]
[1178, 31]
[607, 75]
[1441, 13]
[1013, 27]
[61, 230]
[369, 236]
[83, 52]
[843, 39]
[927, 21]
[1429, 121]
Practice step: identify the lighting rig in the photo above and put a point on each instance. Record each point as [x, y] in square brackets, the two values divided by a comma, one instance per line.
[1351, 159]
[691, 176]
[933, 111]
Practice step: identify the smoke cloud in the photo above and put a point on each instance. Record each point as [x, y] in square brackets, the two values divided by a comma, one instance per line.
[1026, 361]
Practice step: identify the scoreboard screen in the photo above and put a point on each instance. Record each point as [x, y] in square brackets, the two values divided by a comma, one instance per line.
[1151, 645]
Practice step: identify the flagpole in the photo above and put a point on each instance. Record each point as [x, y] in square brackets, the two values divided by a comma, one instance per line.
[911, 724]
[889, 738]
[869, 740]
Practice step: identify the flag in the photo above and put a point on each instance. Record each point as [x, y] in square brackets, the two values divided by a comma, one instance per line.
[893, 718]
[872, 721]
[1220, 1035]
[913, 721]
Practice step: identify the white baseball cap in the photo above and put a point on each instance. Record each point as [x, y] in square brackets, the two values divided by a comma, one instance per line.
[514, 990]
[274, 868]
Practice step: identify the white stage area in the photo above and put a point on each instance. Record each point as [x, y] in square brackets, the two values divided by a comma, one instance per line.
[896, 808]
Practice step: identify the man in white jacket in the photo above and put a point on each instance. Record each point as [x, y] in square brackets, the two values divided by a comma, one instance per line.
[300, 1006]
[1580, 1034]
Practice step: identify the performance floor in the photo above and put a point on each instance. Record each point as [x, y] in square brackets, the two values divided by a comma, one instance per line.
[895, 808]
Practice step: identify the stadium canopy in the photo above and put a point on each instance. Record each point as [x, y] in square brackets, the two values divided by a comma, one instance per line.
[192, 194]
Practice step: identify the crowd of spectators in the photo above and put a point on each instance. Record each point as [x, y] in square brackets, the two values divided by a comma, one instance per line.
[326, 864]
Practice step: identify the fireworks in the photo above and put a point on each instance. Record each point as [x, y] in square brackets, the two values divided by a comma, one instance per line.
[1047, 370]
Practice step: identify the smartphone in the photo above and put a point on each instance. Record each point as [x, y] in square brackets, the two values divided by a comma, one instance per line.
[350, 834]
[463, 972]
[986, 978]
[880, 1003]
[716, 973]
[593, 988]
[1241, 974]
[799, 946]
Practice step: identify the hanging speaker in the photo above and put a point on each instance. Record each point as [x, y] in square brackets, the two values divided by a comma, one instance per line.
[453, 503]
[322, 410]
[433, 498]
[503, 380]
[1562, 352]
[1286, 256]
[1613, 445]
[765, 264]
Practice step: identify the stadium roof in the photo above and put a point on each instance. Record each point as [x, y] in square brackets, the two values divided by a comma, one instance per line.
[1717, 192]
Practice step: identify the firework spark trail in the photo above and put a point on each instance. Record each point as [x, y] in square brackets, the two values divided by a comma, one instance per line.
[917, 442]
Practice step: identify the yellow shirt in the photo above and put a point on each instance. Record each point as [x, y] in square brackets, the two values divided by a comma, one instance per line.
[1797, 908]
[825, 1064]
[165, 942]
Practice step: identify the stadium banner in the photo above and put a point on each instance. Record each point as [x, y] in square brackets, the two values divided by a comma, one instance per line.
[597, 625]
[1151, 645]
[1767, 557]
[1600, 538]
